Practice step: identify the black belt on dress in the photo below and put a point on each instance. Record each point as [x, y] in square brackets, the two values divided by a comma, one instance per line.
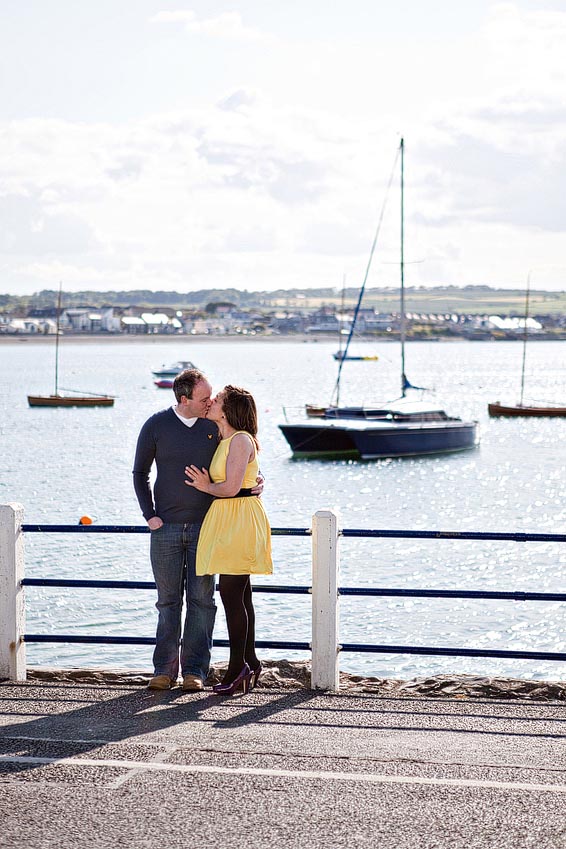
[243, 493]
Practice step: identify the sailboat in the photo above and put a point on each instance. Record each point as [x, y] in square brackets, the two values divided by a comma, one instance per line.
[395, 429]
[57, 400]
[496, 408]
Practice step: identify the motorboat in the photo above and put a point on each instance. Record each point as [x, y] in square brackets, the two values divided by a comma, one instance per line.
[172, 370]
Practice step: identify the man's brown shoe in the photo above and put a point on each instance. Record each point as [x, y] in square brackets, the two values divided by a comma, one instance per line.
[192, 683]
[161, 682]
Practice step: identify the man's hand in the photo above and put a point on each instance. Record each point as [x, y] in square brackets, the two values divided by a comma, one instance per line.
[258, 488]
[154, 523]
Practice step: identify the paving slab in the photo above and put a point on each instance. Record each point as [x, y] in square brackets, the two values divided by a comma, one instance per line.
[116, 764]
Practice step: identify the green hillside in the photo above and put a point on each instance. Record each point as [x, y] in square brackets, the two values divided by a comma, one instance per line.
[446, 299]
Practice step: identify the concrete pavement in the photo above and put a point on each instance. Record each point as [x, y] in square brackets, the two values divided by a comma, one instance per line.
[112, 765]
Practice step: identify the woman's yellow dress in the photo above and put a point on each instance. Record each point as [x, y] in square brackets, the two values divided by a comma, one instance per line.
[235, 538]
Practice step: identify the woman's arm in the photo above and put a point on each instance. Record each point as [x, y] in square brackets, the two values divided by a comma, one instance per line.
[240, 453]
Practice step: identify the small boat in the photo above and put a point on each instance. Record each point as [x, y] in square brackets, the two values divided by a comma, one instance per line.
[77, 399]
[546, 410]
[341, 356]
[70, 401]
[495, 408]
[164, 383]
[395, 429]
[173, 369]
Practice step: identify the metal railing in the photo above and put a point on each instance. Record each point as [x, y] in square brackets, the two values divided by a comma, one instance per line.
[325, 590]
[143, 585]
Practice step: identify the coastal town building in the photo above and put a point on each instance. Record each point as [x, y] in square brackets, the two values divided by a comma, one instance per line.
[228, 319]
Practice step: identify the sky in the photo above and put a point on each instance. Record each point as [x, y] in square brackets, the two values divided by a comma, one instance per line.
[250, 144]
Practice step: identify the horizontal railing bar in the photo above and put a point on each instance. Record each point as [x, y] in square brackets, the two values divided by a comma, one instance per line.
[512, 537]
[453, 652]
[85, 529]
[63, 582]
[135, 529]
[147, 641]
[145, 585]
[485, 594]
[346, 532]
[303, 590]
[301, 646]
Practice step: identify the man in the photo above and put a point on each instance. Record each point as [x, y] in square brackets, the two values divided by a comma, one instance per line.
[172, 439]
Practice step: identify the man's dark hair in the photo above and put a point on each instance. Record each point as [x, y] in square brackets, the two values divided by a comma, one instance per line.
[185, 382]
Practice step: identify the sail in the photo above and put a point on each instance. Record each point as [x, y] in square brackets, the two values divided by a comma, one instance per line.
[407, 385]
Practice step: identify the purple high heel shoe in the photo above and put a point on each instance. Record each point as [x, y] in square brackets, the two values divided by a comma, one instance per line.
[255, 676]
[242, 680]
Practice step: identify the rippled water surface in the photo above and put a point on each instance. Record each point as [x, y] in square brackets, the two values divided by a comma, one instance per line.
[64, 463]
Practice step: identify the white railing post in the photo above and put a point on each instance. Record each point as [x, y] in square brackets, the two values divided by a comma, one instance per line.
[12, 609]
[325, 609]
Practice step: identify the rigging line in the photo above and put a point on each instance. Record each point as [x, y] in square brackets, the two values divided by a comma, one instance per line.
[87, 392]
[336, 392]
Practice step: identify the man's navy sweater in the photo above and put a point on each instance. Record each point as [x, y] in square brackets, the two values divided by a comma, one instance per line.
[172, 445]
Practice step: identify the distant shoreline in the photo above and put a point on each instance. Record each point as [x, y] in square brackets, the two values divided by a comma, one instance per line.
[181, 339]
[184, 339]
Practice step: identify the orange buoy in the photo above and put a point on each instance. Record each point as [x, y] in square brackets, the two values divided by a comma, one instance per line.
[85, 520]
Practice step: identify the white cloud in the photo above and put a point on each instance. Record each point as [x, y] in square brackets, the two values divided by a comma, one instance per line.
[238, 100]
[275, 176]
[30, 228]
[527, 48]
[228, 25]
[164, 17]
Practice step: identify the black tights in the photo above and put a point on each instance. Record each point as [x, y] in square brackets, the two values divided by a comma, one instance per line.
[236, 595]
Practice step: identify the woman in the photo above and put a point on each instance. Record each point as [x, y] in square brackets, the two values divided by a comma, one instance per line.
[235, 538]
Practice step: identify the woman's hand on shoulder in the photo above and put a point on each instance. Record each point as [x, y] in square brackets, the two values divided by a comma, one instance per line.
[197, 478]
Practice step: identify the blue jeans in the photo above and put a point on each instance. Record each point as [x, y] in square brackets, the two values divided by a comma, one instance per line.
[173, 559]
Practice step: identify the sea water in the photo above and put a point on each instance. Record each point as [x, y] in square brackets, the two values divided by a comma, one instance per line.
[62, 464]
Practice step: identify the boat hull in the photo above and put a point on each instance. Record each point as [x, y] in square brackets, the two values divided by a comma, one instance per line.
[367, 442]
[349, 358]
[497, 409]
[66, 401]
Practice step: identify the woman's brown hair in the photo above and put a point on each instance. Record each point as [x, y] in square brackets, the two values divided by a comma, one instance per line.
[240, 410]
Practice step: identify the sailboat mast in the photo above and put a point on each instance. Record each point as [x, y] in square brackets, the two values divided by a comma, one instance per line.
[340, 335]
[402, 327]
[336, 391]
[525, 333]
[57, 341]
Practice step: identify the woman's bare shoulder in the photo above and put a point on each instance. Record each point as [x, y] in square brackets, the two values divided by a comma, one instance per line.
[243, 441]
